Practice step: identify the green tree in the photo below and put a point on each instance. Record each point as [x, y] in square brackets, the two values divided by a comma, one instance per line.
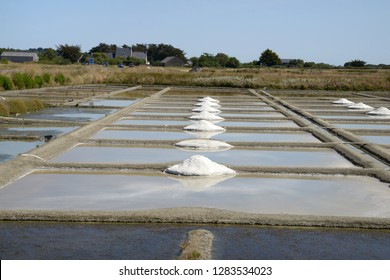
[99, 57]
[222, 59]
[296, 63]
[208, 60]
[103, 48]
[161, 51]
[48, 55]
[232, 62]
[269, 58]
[355, 63]
[139, 47]
[72, 53]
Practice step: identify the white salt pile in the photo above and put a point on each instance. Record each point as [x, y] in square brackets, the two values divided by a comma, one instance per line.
[360, 105]
[380, 111]
[203, 144]
[203, 125]
[199, 166]
[209, 103]
[206, 108]
[206, 116]
[343, 101]
[208, 98]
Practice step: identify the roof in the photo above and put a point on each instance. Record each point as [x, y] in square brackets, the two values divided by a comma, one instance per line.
[168, 58]
[126, 52]
[20, 54]
[140, 55]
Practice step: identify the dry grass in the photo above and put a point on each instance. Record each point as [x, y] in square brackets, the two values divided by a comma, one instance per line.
[313, 79]
[13, 106]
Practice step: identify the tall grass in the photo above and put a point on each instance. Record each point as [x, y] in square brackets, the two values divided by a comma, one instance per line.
[13, 106]
[310, 79]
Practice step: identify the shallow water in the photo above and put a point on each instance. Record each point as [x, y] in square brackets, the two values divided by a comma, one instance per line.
[109, 102]
[225, 136]
[342, 196]
[154, 122]
[10, 149]
[68, 114]
[377, 139]
[295, 158]
[362, 126]
[36, 131]
[41, 240]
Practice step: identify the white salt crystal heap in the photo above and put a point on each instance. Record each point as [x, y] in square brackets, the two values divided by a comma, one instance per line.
[360, 105]
[207, 108]
[198, 165]
[383, 111]
[343, 101]
[208, 103]
[204, 125]
[208, 98]
[206, 116]
[203, 144]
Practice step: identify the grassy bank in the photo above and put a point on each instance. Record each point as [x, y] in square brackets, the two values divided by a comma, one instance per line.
[312, 79]
[13, 106]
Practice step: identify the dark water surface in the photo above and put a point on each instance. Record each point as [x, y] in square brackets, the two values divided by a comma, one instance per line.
[40, 240]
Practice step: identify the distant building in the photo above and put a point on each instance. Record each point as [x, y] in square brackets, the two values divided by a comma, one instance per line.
[172, 61]
[286, 61]
[125, 53]
[20, 56]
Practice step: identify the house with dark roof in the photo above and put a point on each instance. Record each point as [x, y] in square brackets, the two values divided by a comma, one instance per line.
[20, 56]
[172, 61]
[128, 52]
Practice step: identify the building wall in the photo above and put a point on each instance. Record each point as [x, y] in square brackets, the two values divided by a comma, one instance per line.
[20, 58]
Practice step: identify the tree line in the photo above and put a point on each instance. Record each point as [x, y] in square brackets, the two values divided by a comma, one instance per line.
[68, 54]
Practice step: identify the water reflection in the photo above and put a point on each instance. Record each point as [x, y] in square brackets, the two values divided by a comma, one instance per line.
[199, 183]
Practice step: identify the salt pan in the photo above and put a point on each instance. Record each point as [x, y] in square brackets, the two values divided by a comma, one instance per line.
[380, 111]
[203, 134]
[206, 116]
[343, 101]
[203, 144]
[200, 183]
[206, 108]
[198, 165]
[360, 105]
[203, 125]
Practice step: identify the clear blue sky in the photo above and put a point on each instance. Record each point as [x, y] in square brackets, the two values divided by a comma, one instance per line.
[331, 31]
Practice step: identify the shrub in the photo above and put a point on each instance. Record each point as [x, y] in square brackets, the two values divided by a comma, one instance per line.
[20, 105]
[6, 83]
[18, 81]
[28, 81]
[4, 61]
[17, 105]
[59, 78]
[38, 81]
[46, 78]
[33, 104]
[4, 109]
